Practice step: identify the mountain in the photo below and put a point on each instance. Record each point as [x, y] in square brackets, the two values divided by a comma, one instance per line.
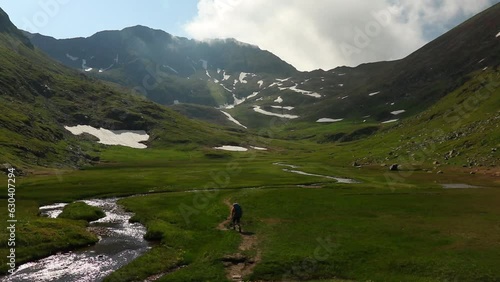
[163, 67]
[383, 91]
[363, 101]
[172, 70]
[39, 97]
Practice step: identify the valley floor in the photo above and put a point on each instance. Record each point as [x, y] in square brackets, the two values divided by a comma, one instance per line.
[391, 226]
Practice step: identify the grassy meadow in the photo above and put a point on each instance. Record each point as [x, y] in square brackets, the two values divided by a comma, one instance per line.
[399, 226]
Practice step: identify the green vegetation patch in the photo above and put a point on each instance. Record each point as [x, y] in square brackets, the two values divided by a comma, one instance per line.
[82, 211]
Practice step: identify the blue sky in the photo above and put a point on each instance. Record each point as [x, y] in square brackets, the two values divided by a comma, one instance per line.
[82, 18]
[325, 35]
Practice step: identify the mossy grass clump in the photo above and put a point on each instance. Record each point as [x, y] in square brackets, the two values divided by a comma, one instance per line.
[82, 211]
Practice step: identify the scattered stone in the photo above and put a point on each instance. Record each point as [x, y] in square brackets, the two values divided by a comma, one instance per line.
[394, 167]
[472, 173]
[355, 164]
[436, 163]
[440, 172]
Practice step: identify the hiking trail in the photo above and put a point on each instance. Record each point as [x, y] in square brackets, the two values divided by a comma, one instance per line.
[239, 265]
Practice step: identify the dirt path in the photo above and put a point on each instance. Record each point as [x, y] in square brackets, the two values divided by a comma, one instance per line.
[239, 265]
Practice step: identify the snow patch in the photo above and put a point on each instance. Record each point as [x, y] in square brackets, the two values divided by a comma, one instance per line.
[71, 57]
[282, 80]
[345, 97]
[327, 120]
[253, 95]
[498, 35]
[373, 94]
[127, 138]
[258, 148]
[238, 101]
[88, 69]
[226, 77]
[303, 92]
[279, 100]
[390, 121]
[232, 148]
[219, 70]
[243, 77]
[172, 69]
[284, 108]
[264, 112]
[231, 118]
[398, 112]
[260, 82]
[208, 74]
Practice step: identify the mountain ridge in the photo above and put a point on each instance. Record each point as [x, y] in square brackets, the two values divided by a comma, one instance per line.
[39, 96]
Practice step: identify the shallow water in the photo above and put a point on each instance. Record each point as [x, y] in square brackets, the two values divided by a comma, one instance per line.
[338, 179]
[121, 242]
[459, 186]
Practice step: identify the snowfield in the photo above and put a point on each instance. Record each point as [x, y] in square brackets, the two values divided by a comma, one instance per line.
[326, 120]
[390, 121]
[243, 77]
[231, 118]
[398, 112]
[300, 91]
[283, 108]
[125, 138]
[259, 110]
[232, 148]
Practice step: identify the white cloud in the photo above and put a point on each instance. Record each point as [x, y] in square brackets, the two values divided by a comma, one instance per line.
[329, 33]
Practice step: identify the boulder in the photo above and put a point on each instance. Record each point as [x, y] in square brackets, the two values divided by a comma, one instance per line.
[394, 167]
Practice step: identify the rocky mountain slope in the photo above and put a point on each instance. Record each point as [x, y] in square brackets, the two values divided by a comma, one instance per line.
[165, 68]
[251, 83]
[39, 97]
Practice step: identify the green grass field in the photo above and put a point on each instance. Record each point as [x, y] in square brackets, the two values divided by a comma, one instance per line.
[407, 230]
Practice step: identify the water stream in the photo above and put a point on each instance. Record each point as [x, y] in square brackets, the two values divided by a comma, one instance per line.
[120, 243]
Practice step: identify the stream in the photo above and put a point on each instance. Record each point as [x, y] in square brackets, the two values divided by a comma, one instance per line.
[120, 243]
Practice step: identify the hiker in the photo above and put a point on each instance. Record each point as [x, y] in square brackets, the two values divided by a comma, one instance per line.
[236, 213]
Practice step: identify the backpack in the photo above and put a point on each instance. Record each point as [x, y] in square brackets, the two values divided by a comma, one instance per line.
[238, 212]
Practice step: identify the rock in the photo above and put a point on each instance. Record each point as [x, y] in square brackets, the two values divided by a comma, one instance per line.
[440, 172]
[394, 167]
[436, 163]
[355, 164]
[472, 173]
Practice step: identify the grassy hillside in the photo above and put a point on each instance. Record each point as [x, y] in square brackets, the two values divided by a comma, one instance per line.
[39, 97]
